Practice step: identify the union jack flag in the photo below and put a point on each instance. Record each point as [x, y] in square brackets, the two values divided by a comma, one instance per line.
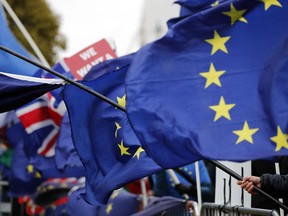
[41, 120]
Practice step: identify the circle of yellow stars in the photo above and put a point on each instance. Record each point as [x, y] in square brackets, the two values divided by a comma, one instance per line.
[222, 109]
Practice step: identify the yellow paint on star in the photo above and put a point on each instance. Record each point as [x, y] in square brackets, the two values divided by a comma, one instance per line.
[123, 149]
[245, 134]
[138, 152]
[122, 101]
[218, 43]
[235, 15]
[30, 168]
[118, 127]
[280, 139]
[114, 194]
[109, 208]
[269, 3]
[38, 175]
[216, 3]
[222, 109]
[212, 76]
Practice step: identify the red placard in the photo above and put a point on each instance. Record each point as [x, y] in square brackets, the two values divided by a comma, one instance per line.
[80, 63]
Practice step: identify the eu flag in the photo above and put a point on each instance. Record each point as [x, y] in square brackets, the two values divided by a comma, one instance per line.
[215, 86]
[103, 138]
[17, 90]
[22, 181]
[65, 152]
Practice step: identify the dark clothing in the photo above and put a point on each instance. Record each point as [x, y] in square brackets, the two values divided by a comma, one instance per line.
[275, 185]
[259, 167]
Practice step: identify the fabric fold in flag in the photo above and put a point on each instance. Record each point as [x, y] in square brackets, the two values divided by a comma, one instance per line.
[106, 144]
[17, 90]
[214, 87]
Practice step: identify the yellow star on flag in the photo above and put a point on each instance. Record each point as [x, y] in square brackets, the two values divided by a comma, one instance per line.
[235, 15]
[218, 43]
[38, 174]
[212, 76]
[114, 194]
[122, 101]
[222, 109]
[109, 208]
[245, 134]
[123, 149]
[216, 3]
[118, 127]
[30, 168]
[138, 152]
[280, 139]
[269, 3]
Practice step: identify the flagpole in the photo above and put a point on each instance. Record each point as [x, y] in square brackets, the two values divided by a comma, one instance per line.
[25, 32]
[113, 103]
[68, 80]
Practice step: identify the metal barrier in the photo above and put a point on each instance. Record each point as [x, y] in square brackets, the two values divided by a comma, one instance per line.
[213, 209]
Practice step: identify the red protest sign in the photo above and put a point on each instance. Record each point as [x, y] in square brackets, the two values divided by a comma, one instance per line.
[80, 63]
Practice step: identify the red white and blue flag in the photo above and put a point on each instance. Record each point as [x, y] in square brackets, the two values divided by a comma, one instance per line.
[42, 120]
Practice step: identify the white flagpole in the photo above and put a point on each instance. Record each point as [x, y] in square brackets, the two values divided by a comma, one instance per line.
[198, 183]
[25, 33]
[144, 192]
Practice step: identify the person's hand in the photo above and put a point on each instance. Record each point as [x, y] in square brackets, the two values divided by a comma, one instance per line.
[248, 183]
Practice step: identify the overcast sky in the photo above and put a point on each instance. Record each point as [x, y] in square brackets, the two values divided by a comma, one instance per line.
[84, 22]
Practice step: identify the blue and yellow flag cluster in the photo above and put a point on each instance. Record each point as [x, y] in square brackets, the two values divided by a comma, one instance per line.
[215, 86]
[106, 144]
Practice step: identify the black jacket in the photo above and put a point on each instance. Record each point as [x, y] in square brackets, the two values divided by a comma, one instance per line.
[274, 184]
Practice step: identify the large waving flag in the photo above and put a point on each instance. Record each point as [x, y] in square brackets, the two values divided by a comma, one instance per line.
[103, 138]
[10, 63]
[65, 152]
[17, 90]
[214, 86]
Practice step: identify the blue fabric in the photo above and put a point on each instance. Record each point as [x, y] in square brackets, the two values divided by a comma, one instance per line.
[65, 152]
[46, 166]
[15, 92]
[8, 62]
[108, 66]
[20, 181]
[77, 206]
[121, 203]
[175, 110]
[98, 141]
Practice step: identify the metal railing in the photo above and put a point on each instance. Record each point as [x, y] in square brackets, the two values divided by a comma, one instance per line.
[213, 209]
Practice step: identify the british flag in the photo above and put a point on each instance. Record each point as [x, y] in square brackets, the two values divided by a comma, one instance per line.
[41, 120]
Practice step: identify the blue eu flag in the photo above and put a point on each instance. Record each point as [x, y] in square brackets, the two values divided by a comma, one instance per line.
[106, 144]
[215, 86]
